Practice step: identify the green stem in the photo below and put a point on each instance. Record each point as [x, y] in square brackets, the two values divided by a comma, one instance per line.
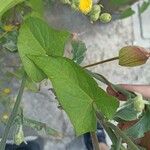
[101, 62]
[13, 114]
[123, 136]
[113, 86]
[95, 141]
[5, 33]
[119, 143]
[109, 131]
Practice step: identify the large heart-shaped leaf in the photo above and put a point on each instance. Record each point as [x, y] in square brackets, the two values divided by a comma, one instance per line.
[77, 91]
[37, 6]
[37, 38]
[7, 4]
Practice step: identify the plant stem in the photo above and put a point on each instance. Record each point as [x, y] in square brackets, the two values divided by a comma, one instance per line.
[116, 88]
[5, 33]
[119, 143]
[109, 131]
[101, 62]
[123, 136]
[13, 114]
[95, 141]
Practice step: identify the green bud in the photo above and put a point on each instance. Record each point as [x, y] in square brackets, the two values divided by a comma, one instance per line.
[19, 136]
[131, 56]
[139, 103]
[65, 1]
[75, 4]
[105, 17]
[95, 12]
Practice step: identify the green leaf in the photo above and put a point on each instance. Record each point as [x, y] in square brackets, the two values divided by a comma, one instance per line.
[76, 92]
[36, 125]
[7, 4]
[78, 51]
[37, 38]
[144, 6]
[141, 127]
[127, 13]
[37, 6]
[127, 112]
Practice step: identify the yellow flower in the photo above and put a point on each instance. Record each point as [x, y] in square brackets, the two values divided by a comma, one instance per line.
[7, 91]
[5, 116]
[9, 28]
[85, 6]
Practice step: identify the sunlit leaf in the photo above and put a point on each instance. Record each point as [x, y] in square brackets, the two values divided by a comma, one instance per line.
[37, 38]
[76, 92]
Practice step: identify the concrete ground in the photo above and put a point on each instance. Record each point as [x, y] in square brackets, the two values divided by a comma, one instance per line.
[103, 41]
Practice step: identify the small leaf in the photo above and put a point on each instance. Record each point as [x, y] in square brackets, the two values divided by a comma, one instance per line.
[144, 6]
[37, 38]
[127, 113]
[7, 4]
[76, 92]
[37, 125]
[141, 127]
[131, 56]
[78, 51]
[127, 13]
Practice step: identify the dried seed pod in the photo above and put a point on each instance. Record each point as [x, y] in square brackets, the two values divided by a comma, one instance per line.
[131, 56]
[105, 17]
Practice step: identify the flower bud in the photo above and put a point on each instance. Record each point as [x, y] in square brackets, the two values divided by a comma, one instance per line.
[105, 17]
[131, 56]
[95, 12]
[75, 4]
[19, 136]
[139, 103]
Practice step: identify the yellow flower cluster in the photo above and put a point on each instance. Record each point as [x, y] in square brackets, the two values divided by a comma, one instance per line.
[90, 9]
[85, 6]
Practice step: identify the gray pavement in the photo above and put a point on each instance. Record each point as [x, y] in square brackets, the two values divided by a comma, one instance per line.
[102, 41]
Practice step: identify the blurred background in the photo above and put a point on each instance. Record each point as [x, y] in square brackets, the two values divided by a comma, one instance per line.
[102, 41]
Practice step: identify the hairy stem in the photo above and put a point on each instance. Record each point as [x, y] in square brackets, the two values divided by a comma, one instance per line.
[13, 114]
[101, 62]
[95, 141]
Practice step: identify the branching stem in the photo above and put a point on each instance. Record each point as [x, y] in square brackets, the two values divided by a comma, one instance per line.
[101, 62]
[95, 141]
[13, 114]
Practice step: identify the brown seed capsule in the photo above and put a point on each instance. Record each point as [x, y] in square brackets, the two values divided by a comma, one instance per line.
[131, 56]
